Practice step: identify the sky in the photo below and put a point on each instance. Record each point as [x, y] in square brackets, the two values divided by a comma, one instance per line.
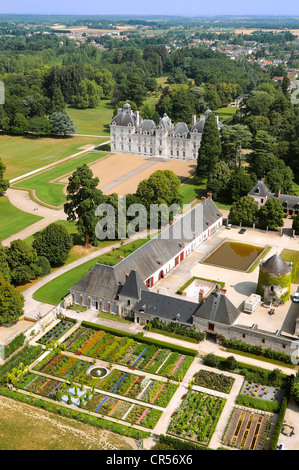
[154, 7]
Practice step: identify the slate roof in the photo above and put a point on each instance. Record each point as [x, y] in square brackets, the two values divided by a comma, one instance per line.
[125, 117]
[133, 286]
[166, 307]
[100, 281]
[106, 281]
[276, 266]
[218, 308]
[260, 189]
[288, 201]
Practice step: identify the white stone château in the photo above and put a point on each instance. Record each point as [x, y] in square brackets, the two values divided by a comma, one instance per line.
[131, 134]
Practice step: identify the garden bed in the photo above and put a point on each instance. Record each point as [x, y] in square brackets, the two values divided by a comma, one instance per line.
[56, 332]
[222, 383]
[197, 417]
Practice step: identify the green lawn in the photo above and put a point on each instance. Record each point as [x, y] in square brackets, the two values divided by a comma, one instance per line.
[24, 154]
[93, 121]
[52, 192]
[191, 190]
[293, 256]
[58, 288]
[226, 113]
[12, 219]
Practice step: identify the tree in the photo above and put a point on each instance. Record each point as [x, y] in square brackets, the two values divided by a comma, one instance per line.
[19, 125]
[210, 147]
[243, 211]
[218, 179]
[84, 198]
[295, 225]
[239, 184]
[4, 266]
[22, 261]
[11, 302]
[271, 214]
[62, 124]
[54, 243]
[4, 183]
[57, 102]
[233, 139]
[88, 94]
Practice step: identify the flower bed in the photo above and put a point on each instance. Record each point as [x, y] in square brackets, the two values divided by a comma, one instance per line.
[39, 384]
[129, 352]
[138, 387]
[214, 381]
[197, 417]
[124, 410]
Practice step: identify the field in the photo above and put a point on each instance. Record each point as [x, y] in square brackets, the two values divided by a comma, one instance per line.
[225, 114]
[293, 256]
[24, 154]
[24, 427]
[93, 121]
[45, 186]
[12, 219]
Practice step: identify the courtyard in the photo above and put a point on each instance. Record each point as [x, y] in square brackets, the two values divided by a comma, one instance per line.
[239, 285]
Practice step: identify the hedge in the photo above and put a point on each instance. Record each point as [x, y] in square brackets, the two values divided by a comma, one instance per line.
[279, 423]
[258, 403]
[141, 338]
[172, 443]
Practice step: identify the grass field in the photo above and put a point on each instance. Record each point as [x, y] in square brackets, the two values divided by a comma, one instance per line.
[191, 190]
[54, 291]
[93, 121]
[293, 256]
[12, 219]
[226, 114]
[24, 154]
[46, 189]
[24, 427]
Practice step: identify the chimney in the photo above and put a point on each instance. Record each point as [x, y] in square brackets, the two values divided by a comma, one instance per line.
[121, 258]
[201, 296]
[127, 275]
[137, 118]
[278, 194]
[209, 195]
[193, 119]
[203, 200]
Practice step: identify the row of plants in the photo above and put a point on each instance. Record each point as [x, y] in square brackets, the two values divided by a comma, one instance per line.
[56, 332]
[222, 383]
[258, 403]
[124, 410]
[182, 330]
[256, 350]
[25, 356]
[129, 352]
[197, 417]
[138, 387]
[15, 344]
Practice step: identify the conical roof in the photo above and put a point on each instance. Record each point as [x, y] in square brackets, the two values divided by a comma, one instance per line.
[276, 266]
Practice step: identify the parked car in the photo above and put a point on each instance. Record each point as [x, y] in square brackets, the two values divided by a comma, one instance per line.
[229, 226]
[243, 230]
[296, 297]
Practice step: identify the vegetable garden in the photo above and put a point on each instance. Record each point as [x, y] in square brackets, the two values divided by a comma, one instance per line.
[197, 417]
[214, 381]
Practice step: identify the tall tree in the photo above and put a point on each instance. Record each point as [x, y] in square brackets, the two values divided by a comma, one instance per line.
[62, 124]
[4, 183]
[11, 302]
[84, 197]
[233, 139]
[23, 262]
[271, 214]
[210, 147]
